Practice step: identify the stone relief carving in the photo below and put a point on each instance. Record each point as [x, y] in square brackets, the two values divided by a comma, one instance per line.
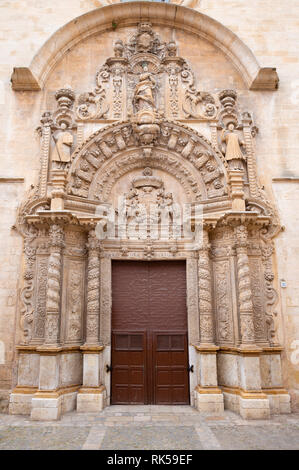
[41, 297]
[133, 74]
[271, 294]
[75, 303]
[183, 144]
[27, 309]
[257, 299]
[223, 300]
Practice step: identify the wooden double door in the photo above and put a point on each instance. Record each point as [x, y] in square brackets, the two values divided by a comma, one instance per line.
[149, 333]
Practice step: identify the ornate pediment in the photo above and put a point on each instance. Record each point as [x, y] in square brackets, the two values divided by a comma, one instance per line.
[147, 94]
[146, 73]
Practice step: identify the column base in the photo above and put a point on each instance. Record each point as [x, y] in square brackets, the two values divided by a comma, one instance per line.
[254, 408]
[250, 405]
[209, 400]
[279, 401]
[50, 405]
[46, 409]
[20, 401]
[91, 400]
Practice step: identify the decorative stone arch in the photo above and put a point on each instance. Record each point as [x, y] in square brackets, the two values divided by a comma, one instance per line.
[181, 151]
[34, 76]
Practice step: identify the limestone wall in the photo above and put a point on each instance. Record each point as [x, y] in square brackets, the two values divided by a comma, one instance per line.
[269, 28]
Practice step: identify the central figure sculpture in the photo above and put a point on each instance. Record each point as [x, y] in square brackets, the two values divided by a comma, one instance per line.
[143, 93]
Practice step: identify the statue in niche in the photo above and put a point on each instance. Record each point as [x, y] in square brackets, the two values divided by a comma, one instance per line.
[62, 152]
[143, 94]
[233, 153]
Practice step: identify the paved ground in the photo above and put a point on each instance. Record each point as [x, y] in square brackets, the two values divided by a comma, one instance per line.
[149, 427]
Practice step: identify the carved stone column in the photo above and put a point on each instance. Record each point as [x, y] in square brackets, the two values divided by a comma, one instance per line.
[91, 396]
[205, 292]
[244, 287]
[93, 290]
[46, 403]
[208, 396]
[56, 235]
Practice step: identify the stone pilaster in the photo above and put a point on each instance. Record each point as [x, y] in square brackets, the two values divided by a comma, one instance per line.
[45, 151]
[52, 325]
[251, 162]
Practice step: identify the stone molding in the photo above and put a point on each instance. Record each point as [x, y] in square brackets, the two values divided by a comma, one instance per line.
[34, 76]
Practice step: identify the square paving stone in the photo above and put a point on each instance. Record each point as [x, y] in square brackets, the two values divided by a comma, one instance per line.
[41, 438]
[256, 437]
[151, 438]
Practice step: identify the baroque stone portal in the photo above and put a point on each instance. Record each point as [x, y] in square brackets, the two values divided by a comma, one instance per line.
[101, 196]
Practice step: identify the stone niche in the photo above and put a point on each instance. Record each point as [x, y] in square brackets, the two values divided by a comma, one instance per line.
[150, 121]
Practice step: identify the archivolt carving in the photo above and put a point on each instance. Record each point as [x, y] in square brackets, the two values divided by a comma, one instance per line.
[106, 178]
[204, 172]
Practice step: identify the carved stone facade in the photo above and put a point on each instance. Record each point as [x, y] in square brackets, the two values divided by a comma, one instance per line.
[148, 165]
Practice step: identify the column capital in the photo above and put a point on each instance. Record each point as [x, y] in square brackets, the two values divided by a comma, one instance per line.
[93, 242]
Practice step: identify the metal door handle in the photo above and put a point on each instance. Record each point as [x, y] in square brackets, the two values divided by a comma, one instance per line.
[190, 368]
[108, 368]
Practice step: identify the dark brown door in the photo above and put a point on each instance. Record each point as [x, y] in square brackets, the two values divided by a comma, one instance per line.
[149, 333]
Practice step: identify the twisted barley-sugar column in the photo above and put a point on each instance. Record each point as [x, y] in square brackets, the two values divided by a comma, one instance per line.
[205, 292]
[52, 326]
[93, 290]
[244, 287]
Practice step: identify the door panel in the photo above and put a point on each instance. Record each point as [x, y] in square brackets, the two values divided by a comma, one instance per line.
[149, 332]
[128, 367]
[170, 359]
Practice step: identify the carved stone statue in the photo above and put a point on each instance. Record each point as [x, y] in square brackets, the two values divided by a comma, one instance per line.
[62, 151]
[233, 152]
[143, 94]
